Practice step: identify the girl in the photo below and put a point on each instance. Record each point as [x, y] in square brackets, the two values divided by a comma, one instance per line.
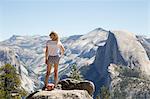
[54, 50]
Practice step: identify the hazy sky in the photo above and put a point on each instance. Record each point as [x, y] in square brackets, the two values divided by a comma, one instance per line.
[69, 17]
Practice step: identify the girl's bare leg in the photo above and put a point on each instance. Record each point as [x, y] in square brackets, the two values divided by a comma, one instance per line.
[47, 73]
[55, 74]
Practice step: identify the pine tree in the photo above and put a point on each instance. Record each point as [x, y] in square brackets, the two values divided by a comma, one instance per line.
[9, 82]
[105, 94]
[75, 73]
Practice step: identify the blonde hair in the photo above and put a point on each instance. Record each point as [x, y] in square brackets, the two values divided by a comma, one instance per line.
[56, 37]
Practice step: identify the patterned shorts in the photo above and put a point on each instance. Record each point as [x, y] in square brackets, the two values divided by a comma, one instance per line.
[53, 59]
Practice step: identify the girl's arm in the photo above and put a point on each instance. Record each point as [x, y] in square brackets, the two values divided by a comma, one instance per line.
[62, 49]
[46, 55]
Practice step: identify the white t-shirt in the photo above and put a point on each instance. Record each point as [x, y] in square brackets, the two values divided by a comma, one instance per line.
[53, 48]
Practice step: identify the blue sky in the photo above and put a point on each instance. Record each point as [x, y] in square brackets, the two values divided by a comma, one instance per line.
[69, 17]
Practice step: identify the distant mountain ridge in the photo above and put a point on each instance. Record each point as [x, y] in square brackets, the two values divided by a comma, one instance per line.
[25, 53]
[92, 53]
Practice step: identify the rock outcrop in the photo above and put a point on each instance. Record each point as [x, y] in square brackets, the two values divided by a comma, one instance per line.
[61, 94]
[71, 84]
[67, 88]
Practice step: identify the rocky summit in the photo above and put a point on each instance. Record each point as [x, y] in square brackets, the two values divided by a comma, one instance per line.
[67, 88]
[62, 94]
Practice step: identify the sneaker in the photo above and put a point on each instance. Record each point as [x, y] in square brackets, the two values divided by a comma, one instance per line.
[50, 86]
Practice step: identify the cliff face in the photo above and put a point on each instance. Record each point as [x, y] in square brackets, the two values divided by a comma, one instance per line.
[145, 41]
[26, 54]
[132, 51]
[120, 48]
[127, 83]
[8, 56]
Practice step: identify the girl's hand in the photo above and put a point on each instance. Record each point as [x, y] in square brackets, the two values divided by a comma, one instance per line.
[46, 61]
[61, 54]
